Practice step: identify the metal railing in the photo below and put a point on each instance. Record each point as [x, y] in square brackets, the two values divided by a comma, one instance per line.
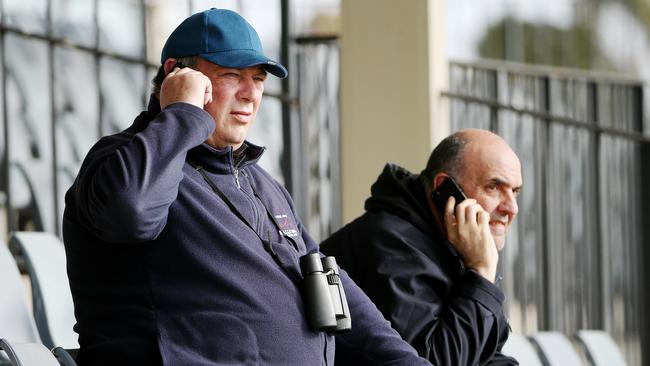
[317, 134]
[64, 82]
[575, 255]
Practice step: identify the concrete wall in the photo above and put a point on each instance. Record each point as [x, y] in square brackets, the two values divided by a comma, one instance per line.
[393, 67]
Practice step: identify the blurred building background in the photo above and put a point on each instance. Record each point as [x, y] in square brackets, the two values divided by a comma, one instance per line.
[376, 81]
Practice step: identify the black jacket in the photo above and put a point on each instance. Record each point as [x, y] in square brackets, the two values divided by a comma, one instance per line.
[396, 253]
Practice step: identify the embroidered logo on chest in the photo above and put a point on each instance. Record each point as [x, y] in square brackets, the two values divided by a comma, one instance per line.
[287, 228]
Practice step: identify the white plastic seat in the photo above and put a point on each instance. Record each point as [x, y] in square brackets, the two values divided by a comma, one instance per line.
[16, 320]
[556, 349]
[28, 354]
[601, 348]
[519, 347]
[44, 255]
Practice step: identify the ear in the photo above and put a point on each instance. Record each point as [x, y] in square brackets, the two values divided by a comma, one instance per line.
[438, 179]
[169, 65]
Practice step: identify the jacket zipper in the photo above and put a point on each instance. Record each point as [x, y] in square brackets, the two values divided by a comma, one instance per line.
[237, 178]
[259, 220]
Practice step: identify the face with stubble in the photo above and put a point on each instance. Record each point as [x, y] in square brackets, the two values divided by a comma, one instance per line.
[236, 97]
[491, 174]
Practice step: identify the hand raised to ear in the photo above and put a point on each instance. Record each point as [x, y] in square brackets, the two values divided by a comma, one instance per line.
[185, 85]
[468, 230]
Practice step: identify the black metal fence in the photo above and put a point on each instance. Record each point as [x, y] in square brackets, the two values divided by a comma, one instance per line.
[317, 134]
[575, 258]
[74, 70]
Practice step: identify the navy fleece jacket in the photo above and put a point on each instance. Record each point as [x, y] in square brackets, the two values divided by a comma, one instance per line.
[163, 273]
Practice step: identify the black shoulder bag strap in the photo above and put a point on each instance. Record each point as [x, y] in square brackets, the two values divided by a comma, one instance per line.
[268, 246]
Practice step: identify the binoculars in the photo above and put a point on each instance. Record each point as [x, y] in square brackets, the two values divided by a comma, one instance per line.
[327, 307]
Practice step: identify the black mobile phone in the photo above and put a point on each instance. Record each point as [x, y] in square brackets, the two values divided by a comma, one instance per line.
[446, 189]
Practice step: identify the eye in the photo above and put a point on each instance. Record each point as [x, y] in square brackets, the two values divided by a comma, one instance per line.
[491, 187]
[229, 75]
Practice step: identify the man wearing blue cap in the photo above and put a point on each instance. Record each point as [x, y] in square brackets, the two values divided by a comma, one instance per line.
[181, 249]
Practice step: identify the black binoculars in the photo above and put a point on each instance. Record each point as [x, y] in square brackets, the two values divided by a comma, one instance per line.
[324, 297]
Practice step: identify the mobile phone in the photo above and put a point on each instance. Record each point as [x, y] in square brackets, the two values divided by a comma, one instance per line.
[448, 188]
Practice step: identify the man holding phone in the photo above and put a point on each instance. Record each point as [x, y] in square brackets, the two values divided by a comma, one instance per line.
[432, 271]
[181, 249]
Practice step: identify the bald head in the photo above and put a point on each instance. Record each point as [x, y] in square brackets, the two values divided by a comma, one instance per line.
[450, 153]
[479, 136]
[482, 147]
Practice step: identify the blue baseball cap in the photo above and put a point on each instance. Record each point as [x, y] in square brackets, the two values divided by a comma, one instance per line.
[222, 37]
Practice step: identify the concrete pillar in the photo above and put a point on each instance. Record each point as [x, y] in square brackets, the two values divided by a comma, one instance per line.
[393, 68]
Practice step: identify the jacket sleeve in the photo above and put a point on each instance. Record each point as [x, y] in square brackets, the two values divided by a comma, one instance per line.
[499, 359]
[449, 321]
[460, 327]
[128, 181]
[372, 340]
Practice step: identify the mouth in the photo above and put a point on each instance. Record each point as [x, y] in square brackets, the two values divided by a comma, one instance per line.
[498, 227]
[241, 115]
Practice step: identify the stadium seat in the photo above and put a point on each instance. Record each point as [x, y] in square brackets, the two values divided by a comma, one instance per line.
[44, 256]
[556, 349]
[519, 347]
[600, 348]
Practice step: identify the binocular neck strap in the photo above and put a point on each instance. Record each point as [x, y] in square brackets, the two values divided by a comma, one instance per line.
[268, 246]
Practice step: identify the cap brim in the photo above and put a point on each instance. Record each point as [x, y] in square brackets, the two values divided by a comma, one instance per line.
[240, 59]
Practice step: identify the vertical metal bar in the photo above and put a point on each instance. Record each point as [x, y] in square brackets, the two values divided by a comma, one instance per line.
[55, 165]
[637, 109]
[299, 168]
[644, 162]
[545, 314]
[644, 232]
[98, 78]
[11, 216]
[595, 142]
[337, 220]
[287, 153]
[145, 38]
[494, 111]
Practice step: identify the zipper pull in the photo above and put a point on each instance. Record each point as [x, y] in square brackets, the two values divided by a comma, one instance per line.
[237, 178]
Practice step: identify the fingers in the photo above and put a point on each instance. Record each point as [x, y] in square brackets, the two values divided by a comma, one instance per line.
[208, 92]
[471, 237]
[176, 70]
[483, 218]
[449, 209]
[186, 85]
[207, 96]
[484, 225]
[466, 211]
[450, 219]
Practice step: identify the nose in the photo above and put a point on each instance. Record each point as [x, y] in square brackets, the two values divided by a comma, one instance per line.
[247, 90]
[509, 205]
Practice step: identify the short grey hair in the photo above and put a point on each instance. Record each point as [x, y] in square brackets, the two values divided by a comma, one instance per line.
[446, 157]
[189, 61]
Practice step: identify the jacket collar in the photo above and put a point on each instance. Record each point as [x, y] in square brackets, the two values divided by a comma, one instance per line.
[224, 160]
[403, 194]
